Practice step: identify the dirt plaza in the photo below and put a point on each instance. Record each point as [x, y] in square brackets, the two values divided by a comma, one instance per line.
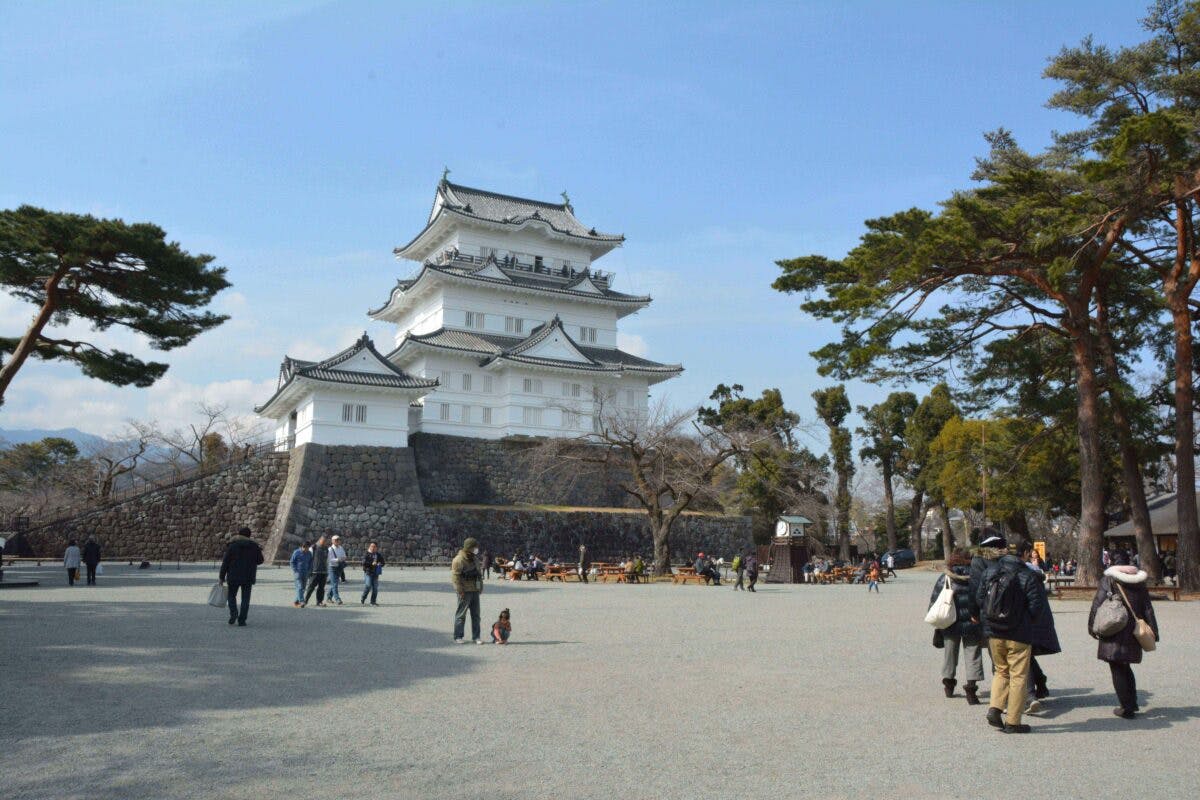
[136, 688]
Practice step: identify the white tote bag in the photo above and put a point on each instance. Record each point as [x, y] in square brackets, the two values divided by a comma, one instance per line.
[943, 613]
[218, 596]
[99, 569]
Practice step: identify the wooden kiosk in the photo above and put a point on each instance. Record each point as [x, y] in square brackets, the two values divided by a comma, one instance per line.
[789, 550]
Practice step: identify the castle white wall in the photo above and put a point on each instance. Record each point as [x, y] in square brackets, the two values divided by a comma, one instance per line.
[491, 404]
[525, 243]
[498, 304]
[320, 419]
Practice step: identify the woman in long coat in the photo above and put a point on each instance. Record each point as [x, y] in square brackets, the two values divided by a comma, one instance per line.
[963, 633]
[1121, 649]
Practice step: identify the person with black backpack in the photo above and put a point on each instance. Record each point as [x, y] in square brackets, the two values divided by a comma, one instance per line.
[1009, 599]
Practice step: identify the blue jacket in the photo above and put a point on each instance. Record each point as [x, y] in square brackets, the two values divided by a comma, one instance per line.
[301, 561]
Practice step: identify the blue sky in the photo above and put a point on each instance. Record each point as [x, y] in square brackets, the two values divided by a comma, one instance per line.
[300, 142]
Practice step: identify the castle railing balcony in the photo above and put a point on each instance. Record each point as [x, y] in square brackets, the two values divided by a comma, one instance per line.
[553, 269]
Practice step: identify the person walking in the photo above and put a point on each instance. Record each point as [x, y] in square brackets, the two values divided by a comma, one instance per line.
[1045, 635]
[301, 562]
[1122, 649]
[1009, 599]
[372, 566]
[752, 571]
[486, 557]
[739, 567]
[240, 568]
[964, 634]
[337, 567]
[320, 573]
[91, 558]
[72, 560]
[891, 567]
[468, 583]
[585, 563]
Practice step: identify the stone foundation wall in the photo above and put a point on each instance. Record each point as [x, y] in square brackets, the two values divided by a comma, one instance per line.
[371, 493]
[609, 536]
[457, 469]
[192, 521]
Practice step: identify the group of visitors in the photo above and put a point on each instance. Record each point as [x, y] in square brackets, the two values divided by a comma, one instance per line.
[745, 567]
[89, 556]
[870, 570]
[1001, 604]
[321, 565]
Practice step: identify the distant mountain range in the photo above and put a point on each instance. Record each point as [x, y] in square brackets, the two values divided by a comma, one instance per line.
[80, 438]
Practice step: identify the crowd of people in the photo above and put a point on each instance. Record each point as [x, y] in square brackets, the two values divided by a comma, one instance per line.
[1001, 605]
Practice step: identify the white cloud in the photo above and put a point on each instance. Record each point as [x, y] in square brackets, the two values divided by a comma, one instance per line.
[632, 343]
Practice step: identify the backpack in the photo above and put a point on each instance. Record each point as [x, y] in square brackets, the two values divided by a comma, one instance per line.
[737, 563]
[1003, 602]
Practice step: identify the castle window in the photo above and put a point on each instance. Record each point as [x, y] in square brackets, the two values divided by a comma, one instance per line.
[475, 319]
[487, 416]
[487, 384]
[444, 412]
[466, 381]
[532, 385]
[514, 325]
[347, 412]
[360, 413]
[587, 335]
[531, 416]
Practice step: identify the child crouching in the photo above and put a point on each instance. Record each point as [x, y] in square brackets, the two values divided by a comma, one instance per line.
[502, 629]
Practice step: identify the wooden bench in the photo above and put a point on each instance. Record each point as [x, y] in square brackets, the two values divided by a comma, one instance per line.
[687, 575]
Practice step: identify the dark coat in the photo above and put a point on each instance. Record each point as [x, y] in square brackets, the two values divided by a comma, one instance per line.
[91, 554]
[240, 565]
[963, 628]
[371, 561]
[1122, 647]
[979, 566]
[1045, 636]
[320, 562]
[1033, 607]
[751, 566]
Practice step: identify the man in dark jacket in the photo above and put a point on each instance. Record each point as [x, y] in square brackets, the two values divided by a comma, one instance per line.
[320, 573]
[1008, 618]
[91, 557]
[240, 567]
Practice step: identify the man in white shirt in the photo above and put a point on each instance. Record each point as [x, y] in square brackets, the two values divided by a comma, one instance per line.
[337, 563]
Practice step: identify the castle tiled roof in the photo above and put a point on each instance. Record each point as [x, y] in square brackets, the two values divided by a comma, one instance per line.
[328, 371]
[493, 208]
[492, 346]
[503, 208]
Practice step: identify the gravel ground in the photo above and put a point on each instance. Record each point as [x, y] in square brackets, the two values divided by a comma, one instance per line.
[136, 689]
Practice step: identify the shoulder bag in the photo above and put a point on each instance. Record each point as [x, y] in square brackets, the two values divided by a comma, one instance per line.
[1111, 617]
[1141, 630]
[943, 613]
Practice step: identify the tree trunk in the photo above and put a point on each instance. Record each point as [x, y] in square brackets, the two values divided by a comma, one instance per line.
[947, 533]
[843, 516]
[1131, 471]
[1187, 553]
[889, 501]
[917, 522]
[1091, 481]
[28, 342]
[1018, 524]
[661, 532]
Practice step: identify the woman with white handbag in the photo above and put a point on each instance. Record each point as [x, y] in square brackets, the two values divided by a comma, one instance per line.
[1122, 618]
[961, 632]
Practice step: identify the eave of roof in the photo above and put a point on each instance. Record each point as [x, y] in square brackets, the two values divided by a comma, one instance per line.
[294, 371]
[559, 217]
[516, 283]
[495, 347]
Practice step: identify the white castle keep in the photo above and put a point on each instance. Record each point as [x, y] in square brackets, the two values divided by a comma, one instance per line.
[506, 329]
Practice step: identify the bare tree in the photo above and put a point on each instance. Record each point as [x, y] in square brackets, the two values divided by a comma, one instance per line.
[114, 460]
[665, 458]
